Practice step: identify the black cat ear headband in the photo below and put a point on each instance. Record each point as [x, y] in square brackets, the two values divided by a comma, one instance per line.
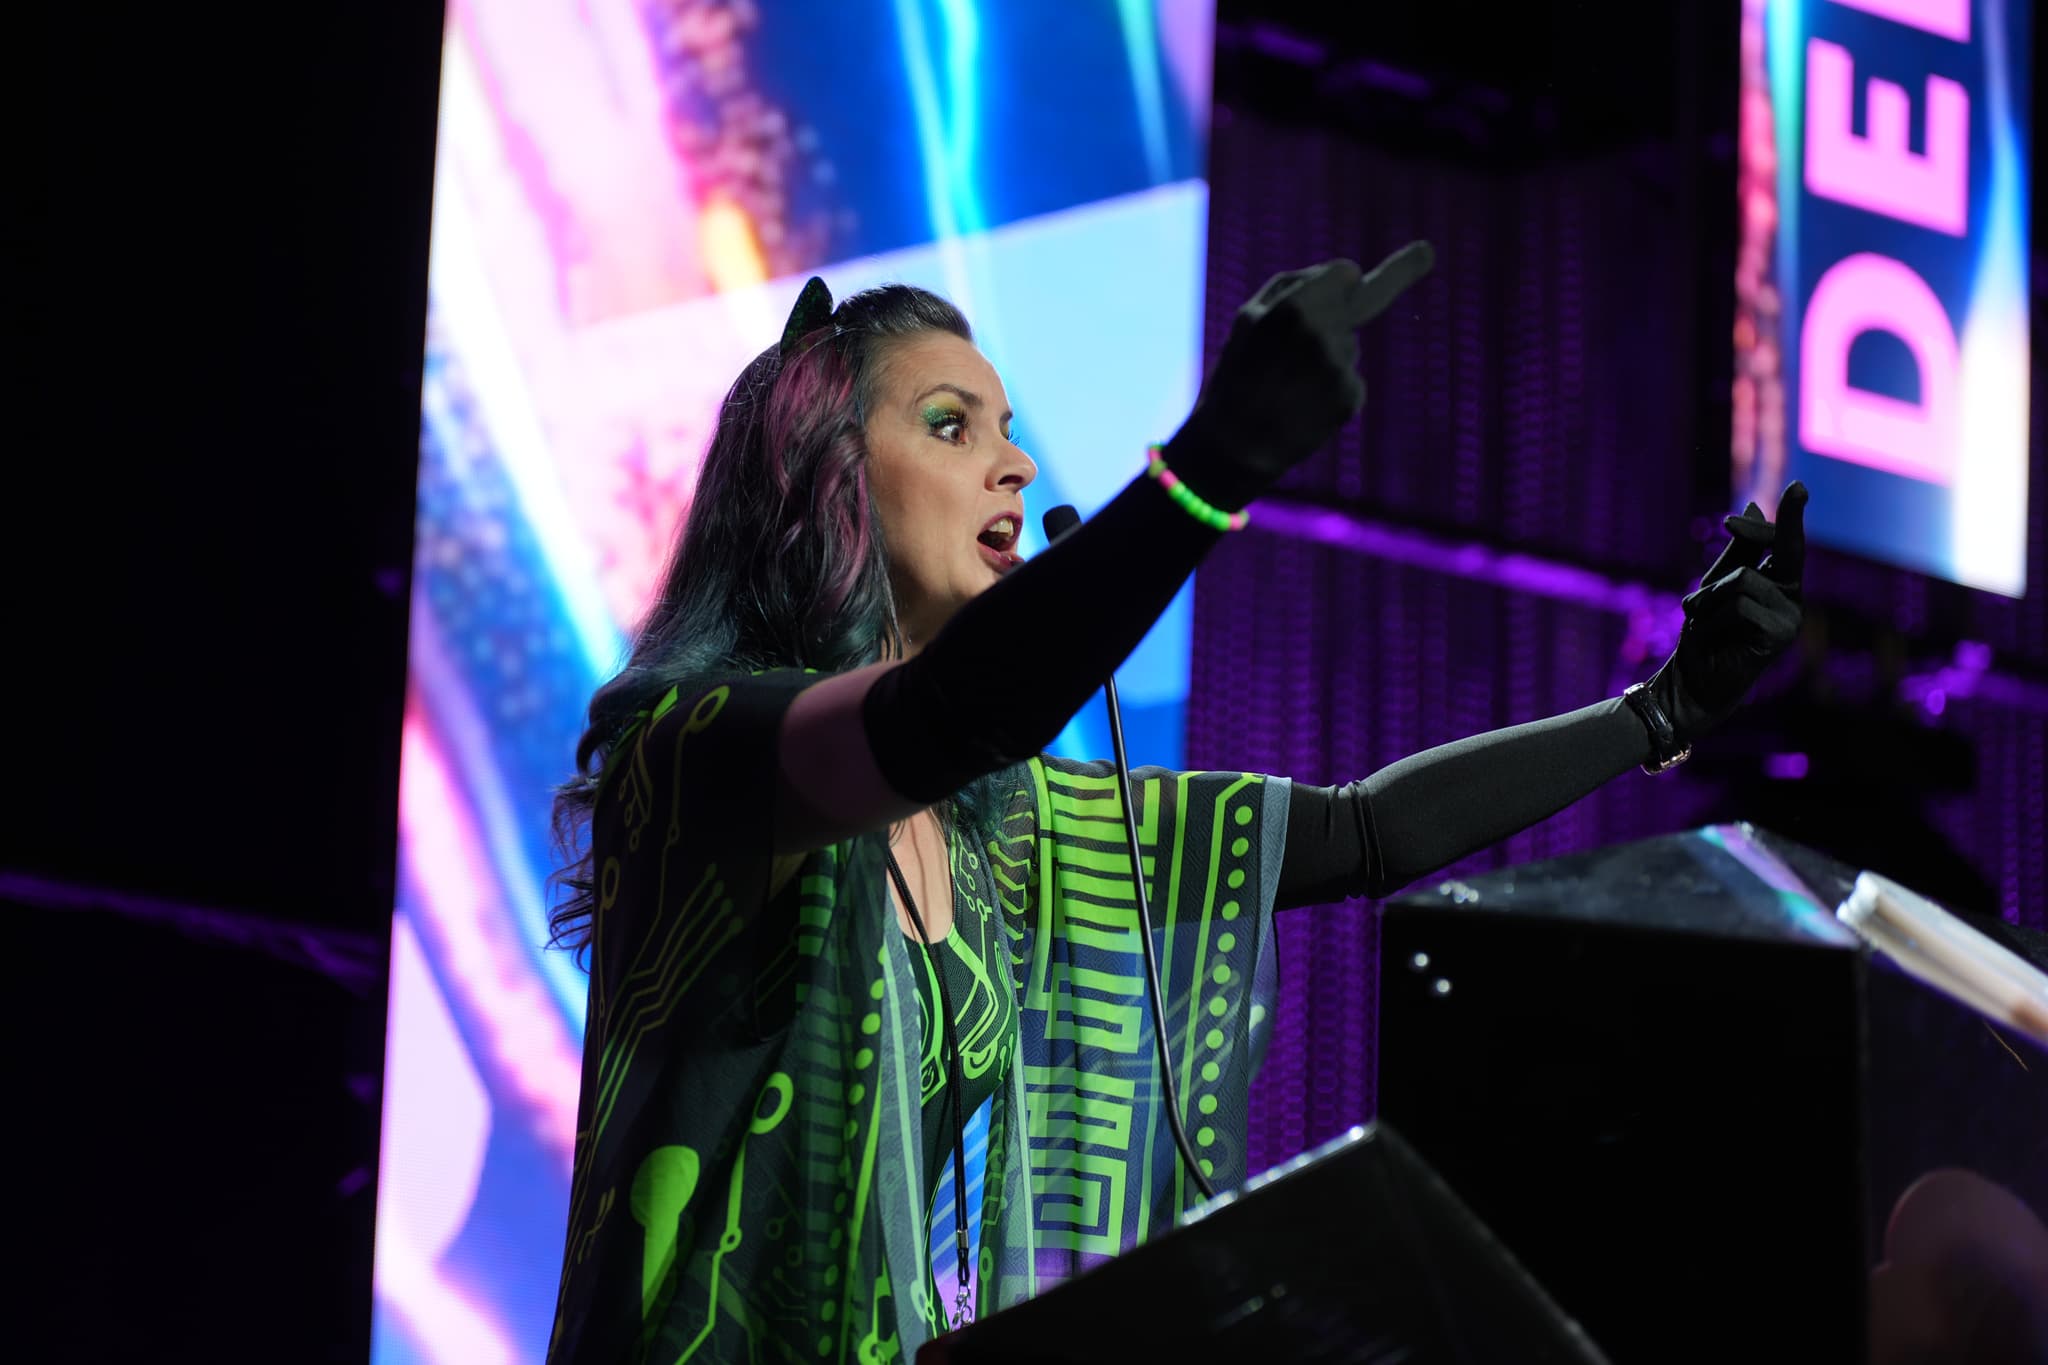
[813, 310]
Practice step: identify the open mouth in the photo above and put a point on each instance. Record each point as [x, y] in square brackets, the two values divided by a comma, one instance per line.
[998, 541]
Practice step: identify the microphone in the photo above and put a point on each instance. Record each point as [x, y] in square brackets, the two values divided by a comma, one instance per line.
[1058, 522]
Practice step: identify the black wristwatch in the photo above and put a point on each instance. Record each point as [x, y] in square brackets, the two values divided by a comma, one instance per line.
[1665, 751]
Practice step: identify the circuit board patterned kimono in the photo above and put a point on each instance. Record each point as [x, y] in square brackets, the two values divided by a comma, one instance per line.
[749, 1176]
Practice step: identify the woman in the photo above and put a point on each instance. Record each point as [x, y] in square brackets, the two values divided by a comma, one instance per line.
[835, 897]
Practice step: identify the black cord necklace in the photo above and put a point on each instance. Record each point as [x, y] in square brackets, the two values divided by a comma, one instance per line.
[955, 1082]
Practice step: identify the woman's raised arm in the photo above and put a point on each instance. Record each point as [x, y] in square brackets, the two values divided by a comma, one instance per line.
[999, 681]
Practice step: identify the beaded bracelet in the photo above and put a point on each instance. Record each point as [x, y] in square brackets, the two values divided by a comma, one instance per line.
[1190, 501]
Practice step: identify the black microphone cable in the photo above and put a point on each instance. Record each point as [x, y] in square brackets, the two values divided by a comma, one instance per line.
[1058, 522]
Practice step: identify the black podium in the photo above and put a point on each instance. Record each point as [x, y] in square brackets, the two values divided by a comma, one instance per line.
[1685, 1094]
[1355, 1254]
[1657, 1090]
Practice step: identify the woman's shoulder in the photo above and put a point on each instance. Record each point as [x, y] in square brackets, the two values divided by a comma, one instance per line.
[721, 718]
[726, 698]
[700, 761]
[713, 687]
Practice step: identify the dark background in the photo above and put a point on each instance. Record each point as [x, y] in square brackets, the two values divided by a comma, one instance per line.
[209, 560]
[207, 588]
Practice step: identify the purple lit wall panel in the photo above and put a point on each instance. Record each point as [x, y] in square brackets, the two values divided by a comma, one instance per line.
[1534, 391]
[2002, 827]
[1325, 664]
[1530, 398]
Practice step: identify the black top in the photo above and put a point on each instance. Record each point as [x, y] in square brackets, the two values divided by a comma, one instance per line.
[978, 977]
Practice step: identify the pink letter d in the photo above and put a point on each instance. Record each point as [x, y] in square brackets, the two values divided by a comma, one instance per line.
[1863, 293]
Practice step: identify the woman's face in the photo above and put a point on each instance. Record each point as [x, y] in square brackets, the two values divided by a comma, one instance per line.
[944, 475]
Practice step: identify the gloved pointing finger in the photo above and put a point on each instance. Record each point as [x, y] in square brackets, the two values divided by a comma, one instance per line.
[1371, 295]
[1787, 563]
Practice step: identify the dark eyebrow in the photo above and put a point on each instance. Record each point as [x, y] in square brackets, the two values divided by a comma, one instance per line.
[972, 400]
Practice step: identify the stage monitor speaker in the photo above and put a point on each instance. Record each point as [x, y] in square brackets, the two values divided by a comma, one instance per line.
[1686, 1094]
[1357, 1253]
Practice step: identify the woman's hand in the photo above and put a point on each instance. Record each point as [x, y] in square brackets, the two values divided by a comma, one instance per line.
[1288, 376]
[1743, 615]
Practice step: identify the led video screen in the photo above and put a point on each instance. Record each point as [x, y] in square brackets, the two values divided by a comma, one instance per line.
[628, 196]
[1881, 278]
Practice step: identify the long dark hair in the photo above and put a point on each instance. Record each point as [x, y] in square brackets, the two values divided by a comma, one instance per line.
[780, 562]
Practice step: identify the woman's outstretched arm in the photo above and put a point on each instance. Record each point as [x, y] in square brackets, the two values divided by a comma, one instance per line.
[1372, 837]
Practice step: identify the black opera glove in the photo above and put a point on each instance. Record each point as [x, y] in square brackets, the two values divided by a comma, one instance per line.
[1287, 379]
[1741, 618]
